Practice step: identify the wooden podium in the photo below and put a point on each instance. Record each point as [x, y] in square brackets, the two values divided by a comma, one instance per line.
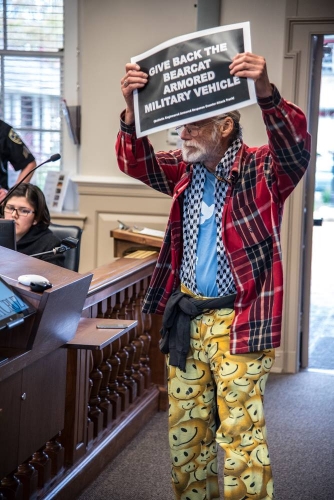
[33, 377]
[126, 241]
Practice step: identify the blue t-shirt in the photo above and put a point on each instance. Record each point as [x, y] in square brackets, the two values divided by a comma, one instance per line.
[206, 260]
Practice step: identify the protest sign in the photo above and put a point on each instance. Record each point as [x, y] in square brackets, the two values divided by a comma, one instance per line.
[190, 80]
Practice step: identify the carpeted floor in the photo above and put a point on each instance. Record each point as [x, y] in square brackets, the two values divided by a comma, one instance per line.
[300, 421]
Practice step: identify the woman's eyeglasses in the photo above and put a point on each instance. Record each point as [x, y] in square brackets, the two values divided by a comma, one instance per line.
[10, 209]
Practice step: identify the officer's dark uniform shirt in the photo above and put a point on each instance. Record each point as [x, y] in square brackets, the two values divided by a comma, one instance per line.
[12, 150]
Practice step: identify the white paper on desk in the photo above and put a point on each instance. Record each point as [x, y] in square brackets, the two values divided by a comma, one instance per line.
[148, 232]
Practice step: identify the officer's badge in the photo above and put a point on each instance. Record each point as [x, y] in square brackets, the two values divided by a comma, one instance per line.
[14, 137]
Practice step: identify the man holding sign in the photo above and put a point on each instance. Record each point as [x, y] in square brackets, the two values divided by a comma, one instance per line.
[219, 278]
[190, 76]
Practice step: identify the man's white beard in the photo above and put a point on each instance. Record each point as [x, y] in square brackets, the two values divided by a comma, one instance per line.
[196, 153]
[206, 150]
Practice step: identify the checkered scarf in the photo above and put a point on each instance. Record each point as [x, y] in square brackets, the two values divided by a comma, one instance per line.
[191, 215]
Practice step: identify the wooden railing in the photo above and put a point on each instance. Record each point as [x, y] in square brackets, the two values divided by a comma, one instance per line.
[111, 392]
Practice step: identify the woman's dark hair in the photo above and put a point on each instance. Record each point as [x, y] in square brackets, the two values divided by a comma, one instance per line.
[36, 199]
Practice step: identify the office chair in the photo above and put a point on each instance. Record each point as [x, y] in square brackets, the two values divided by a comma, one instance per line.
[72, 257]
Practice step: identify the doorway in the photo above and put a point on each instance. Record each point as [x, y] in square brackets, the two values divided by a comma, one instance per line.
[321, 326]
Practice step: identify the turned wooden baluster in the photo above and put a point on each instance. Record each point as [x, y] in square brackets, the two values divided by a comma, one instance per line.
[127, 312]
[95, 414]
[137, 341]
[55, 452]
[123, 355]
[146, 338]
[102, 309]
[122, 389]
[131, 348]
[90, 424]
[111, 368]
[42, 463]
[28, 476]
[105, 404]
[111, 301]
[11, 488]
[114, 395]
[94, 310]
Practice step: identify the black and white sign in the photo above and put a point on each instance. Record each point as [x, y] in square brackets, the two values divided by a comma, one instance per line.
[189, 79]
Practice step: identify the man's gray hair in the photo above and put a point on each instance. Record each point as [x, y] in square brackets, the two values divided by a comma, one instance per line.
[235, 115]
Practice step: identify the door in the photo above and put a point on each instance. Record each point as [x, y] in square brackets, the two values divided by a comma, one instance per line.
[301, 85]
[317, 341]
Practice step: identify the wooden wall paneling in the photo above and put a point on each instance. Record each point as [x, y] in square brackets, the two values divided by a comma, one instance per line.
[43, 409]
[10, 404]
[77, 425]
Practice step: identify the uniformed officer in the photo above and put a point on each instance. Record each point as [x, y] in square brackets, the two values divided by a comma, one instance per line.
[13, 150]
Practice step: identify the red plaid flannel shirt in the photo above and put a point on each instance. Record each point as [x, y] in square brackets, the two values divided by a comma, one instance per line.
[264, 178]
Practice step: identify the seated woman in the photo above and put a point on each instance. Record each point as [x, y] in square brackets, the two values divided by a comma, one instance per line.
[27, 207]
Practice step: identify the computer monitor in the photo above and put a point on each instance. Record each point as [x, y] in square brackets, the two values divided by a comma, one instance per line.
[7, 234]
[13, 308]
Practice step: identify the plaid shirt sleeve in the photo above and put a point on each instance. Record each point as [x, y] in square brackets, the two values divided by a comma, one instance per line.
[136, 158]
[289, 141]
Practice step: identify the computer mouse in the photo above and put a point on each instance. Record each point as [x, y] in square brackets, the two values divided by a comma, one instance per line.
[26, 279]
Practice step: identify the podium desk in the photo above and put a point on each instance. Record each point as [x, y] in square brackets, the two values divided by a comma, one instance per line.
[89, 336]
[126, 241]
[33, 373]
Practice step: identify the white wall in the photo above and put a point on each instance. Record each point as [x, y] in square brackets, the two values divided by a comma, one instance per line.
[267, 21]
[112, 32]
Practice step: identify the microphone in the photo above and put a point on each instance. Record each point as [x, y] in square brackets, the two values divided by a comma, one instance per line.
[66, 244]
[52, 158]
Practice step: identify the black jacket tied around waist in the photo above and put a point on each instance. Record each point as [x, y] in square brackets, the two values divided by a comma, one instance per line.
[181, 308]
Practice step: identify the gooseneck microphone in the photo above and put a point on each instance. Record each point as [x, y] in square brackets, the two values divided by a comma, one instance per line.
[66, 244]
[52, 158]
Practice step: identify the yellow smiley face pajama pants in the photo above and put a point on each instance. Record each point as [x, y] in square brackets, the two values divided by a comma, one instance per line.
[230, 387]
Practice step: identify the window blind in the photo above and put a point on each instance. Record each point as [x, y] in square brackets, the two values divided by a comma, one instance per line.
[31, 74]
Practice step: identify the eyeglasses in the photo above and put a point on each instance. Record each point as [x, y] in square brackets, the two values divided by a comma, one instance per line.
[10, 209]
[193, 130]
